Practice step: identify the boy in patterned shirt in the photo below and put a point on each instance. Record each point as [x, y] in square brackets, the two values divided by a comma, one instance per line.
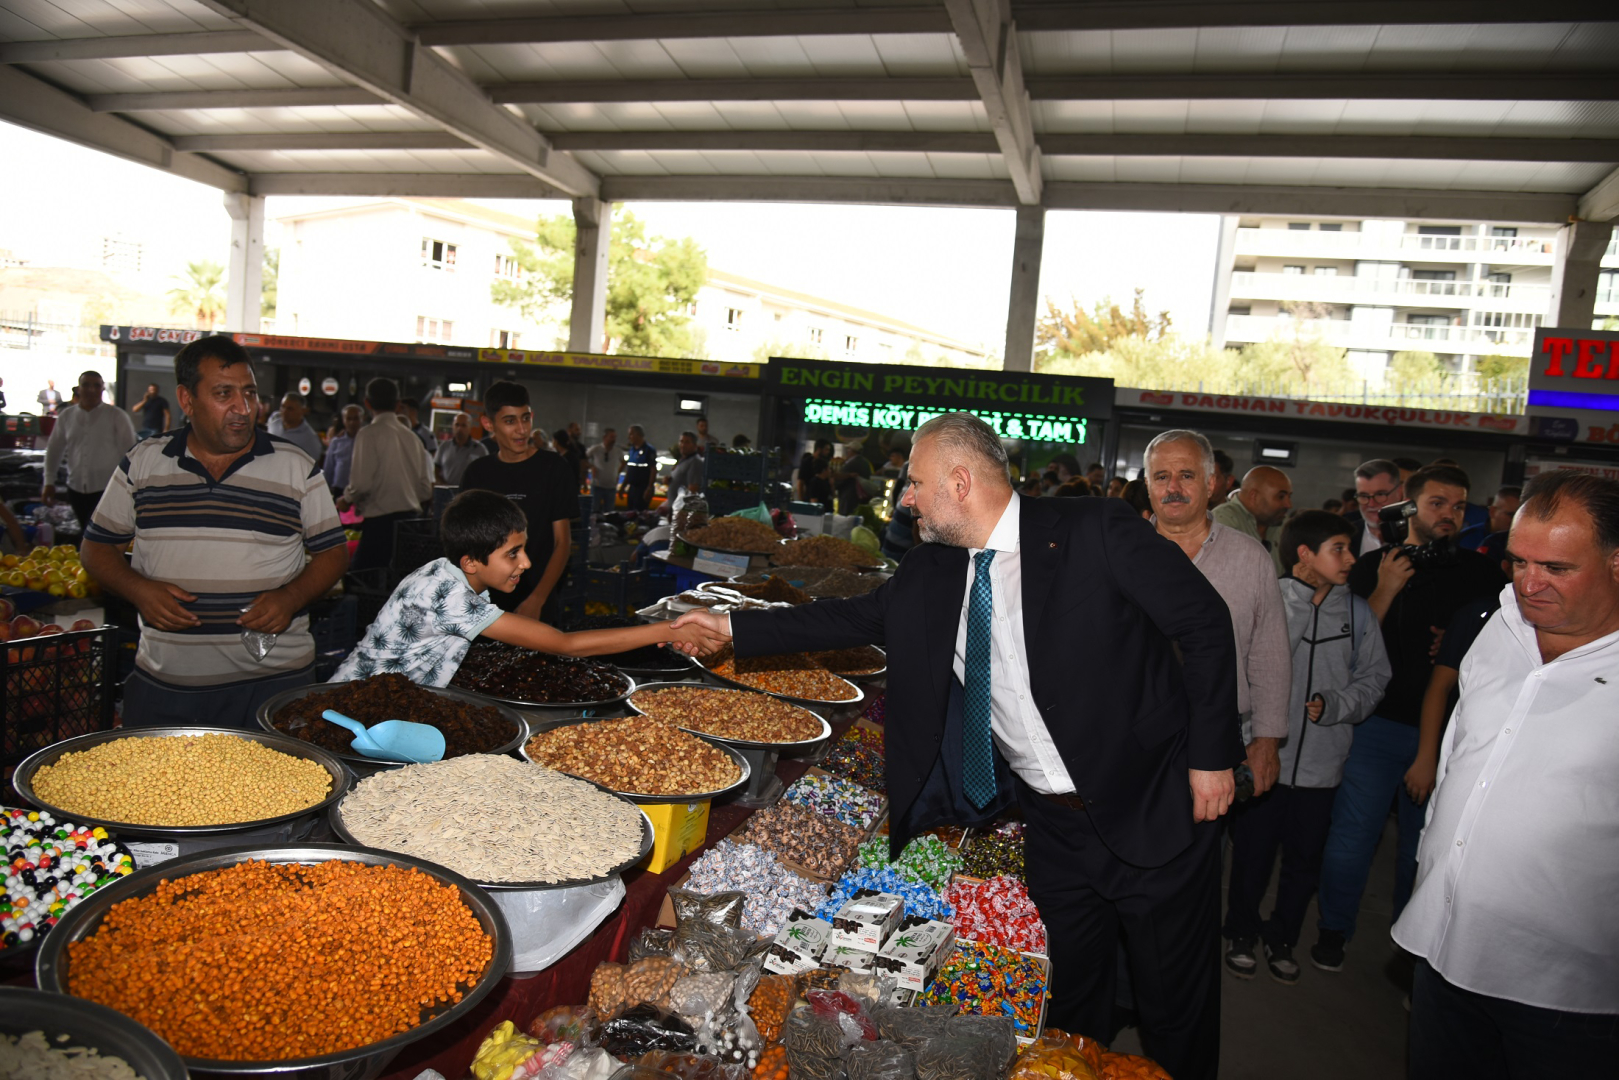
[424, 630]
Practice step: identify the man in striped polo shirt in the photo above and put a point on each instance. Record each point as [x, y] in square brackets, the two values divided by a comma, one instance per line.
[221, 517]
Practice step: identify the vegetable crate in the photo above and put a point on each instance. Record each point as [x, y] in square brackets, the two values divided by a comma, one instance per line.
[54, 688]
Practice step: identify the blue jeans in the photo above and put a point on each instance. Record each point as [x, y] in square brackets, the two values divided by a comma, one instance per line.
[603, 498]
[1373, 775]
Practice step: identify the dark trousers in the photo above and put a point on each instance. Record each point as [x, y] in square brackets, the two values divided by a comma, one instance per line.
[377, 540]
[1455, 1032]
[638, 496]
[148, 703]
[1294, 819]
[84, 505]
[1167, 916]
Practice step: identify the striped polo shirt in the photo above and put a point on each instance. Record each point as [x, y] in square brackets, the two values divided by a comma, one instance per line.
[224, 541]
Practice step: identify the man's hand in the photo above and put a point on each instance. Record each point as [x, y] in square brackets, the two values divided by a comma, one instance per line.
[1394, 571]
[698, 638]
[716, 627]
[1419, 778]
[47, 494]
[159, 603]
[342, 504]
[1314, 708]
[1265, 763]
[269, 613]
[1438, 636]
[1212, 793]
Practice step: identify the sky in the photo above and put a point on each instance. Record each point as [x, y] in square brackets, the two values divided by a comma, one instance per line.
[942, 268]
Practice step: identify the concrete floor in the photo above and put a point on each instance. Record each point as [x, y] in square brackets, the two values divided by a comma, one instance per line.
[1345, 1026]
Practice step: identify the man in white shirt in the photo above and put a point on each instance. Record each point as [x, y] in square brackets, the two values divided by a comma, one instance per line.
[606, 463]
[92, 440]
[1377, 484]
[389, 478]
[1514, 916]
[288, 422]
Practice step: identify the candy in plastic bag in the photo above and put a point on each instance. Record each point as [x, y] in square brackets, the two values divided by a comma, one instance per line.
[505, 1054]
[575, 1024]
[645, 1028]
[1050, 1058]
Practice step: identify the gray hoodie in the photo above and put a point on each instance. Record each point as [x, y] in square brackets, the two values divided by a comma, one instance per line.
[1313, 755]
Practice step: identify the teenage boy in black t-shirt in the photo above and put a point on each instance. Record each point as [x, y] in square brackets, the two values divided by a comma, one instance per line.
[543, 485]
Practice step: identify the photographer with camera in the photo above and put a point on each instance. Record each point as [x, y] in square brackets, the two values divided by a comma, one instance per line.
[1414, 586]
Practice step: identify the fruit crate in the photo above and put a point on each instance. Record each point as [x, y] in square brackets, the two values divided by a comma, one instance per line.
[53, 688]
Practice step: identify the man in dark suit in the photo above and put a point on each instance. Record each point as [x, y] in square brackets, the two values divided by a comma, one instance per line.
[1121, 780]
[1378, 483]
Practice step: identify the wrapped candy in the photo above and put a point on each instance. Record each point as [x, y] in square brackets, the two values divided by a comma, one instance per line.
[997, 911]
[919, 899]
[507, 1055]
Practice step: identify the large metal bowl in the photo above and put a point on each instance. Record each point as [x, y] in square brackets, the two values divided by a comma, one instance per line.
[87, 1024]
[340, 827]
[23, 780]
[617, 699]
[784, 747]
[634, 796]
[53, 969]
[268, 711]
[637, 673]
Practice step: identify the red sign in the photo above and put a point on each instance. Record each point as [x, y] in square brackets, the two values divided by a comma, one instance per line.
[1387, 415]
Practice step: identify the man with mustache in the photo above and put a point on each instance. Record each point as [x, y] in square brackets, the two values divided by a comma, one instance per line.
[1414, 599]
[222, 517]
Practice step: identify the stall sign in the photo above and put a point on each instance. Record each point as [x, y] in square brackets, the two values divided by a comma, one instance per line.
[937, 390]
[1535, 466]
[1008, 425]
[150, 333]
[304, 386]
[1574, 379]
[643, 365]
[328, 386]
[1341, 411]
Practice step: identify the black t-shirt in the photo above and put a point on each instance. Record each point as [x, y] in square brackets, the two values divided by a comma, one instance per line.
[1431, 598]
[1464, 629]
[545, 487]
[152, 414]
[816, 488]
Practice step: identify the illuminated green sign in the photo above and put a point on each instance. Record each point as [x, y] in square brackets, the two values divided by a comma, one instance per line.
[1009, 425]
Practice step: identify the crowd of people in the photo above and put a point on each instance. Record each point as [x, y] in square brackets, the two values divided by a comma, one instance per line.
[1280, 680]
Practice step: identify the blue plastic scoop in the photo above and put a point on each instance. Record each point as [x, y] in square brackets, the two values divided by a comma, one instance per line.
[392, 740]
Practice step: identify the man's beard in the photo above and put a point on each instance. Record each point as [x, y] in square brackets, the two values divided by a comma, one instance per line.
[948, 532]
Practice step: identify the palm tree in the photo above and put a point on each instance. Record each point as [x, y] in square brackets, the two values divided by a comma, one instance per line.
[200, 293]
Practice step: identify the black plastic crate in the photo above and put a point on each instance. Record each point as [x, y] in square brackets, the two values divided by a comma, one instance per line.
[370, 590]
[332, 623]
[54, 688]
[416, 543]
[748, 468]
[722, 502]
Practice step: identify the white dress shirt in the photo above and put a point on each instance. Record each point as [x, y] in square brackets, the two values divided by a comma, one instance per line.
[1518, 871]
[1019, 730]
[1372, 541]
[93, 442]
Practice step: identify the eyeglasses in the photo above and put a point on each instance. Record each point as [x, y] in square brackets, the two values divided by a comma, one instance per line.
[1374, 496]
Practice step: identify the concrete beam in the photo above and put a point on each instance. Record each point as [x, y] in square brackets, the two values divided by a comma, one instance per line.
[691, 24]
[989, 41]
[403, 185]
[1405, 204]
[1580, 247]
[1225, 261]
[809, 189]
[1430, 148]
[1601, 203]
[163, 100]
[906, 142]
[35, 104]
[129, 46]
[358, 41]
[568, 91]
[1180, 14]
[1023, 305]
[1504, 85]
[587, 320]
[352, 140]
[244, 273]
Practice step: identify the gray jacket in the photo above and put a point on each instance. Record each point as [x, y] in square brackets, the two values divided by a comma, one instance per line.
[1313, 755]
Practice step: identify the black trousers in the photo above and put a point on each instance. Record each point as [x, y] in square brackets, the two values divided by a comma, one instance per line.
[1168, 918]
[1294, 819]
[638, 496]
[84, 505]
[148, 703]
[1455, 1032]
[376, 547]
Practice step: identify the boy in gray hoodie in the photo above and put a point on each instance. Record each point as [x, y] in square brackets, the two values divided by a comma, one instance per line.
[1339, 671]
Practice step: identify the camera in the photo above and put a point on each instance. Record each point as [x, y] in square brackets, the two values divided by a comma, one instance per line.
[1394, 526]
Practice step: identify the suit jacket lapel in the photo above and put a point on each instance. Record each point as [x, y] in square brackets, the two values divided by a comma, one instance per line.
[1040, 558]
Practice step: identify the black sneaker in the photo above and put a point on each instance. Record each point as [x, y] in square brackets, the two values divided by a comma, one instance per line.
[1328, 951]
[1240, 959]
[1279, 959]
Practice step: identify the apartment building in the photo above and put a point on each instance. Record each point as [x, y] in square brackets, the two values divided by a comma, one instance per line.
[422, 270]
[1460, 290]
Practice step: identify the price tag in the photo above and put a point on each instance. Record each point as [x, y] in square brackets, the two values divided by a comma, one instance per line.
[151, 854]
[725, 566]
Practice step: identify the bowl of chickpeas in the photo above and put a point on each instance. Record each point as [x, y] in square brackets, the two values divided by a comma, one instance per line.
[185, 783]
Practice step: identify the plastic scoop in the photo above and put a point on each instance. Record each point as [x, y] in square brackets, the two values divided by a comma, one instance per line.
[392, 740]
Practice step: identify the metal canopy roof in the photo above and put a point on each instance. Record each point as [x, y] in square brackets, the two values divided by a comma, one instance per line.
[1422, 108]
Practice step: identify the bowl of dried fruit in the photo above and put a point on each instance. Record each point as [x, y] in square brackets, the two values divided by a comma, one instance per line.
[744, 718]
[641, 758]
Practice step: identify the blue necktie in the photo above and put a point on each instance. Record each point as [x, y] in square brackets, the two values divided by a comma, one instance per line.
[977, 751]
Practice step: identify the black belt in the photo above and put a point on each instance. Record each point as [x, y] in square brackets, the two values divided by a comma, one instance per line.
[1071, 801]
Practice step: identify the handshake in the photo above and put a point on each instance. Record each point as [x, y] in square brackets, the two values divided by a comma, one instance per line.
[700, 632]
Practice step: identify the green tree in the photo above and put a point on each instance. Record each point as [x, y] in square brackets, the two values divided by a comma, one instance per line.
[1076, 332]
[1412, 372]
[200, 293]
[270, 276]
[650, 283]
[1503, 367]
[800, 350]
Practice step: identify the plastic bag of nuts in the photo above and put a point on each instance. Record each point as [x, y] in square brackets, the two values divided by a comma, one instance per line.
[607, 990]
[769, 1004]
[651, 978]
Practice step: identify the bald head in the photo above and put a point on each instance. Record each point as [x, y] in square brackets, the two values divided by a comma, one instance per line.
[1267, 493]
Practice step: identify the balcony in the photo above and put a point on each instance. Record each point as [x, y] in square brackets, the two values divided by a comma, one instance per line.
[1398, 337]
[1404, 247]
[1384, 292]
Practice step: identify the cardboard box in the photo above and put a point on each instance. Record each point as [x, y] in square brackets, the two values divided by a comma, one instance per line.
[915, 951]
[799, 944]
[843, 956]
[866, 920]
[677, 829]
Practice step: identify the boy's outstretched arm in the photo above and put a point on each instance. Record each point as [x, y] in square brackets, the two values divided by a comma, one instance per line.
[513, 629]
